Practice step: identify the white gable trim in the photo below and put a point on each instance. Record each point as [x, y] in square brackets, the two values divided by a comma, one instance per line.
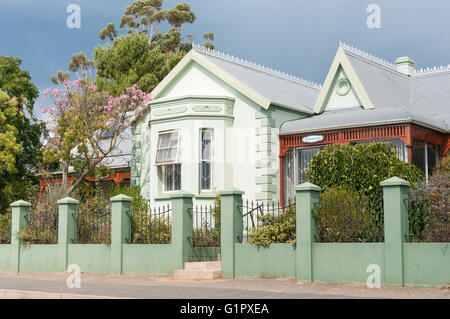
[341, 60]
[217, 71]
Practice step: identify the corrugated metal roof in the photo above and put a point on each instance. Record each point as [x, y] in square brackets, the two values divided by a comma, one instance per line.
[280, 88]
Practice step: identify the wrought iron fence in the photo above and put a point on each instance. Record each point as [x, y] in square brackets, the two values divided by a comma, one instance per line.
[93, 227]
[42, 227]
[429, 216]
[153, 226]
[349, 219]
[205, 238]
[263, 220]
[5, 228]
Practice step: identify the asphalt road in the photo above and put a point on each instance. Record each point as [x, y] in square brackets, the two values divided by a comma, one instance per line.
[166, 288]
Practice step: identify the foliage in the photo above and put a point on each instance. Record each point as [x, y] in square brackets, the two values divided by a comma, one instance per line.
[359, 168]
[139, 202]
[9, 146]
[275, 228]
[94, 219]
[210, 236]
[42, 227]
[145, 54]
[131, 60]
[5, 227]
[147, 229]
[20, 132]
[342, 216]
[87, 123]
[429, 216]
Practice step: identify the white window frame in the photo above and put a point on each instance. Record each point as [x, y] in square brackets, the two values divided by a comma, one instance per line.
[201, 160]
[177, 160]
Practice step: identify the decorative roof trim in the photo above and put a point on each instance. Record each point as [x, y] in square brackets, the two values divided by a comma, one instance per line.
[368, 56]
[432, 70]
[255, 66]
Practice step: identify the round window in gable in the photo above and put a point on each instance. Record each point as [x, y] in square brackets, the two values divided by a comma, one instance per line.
[343, 86]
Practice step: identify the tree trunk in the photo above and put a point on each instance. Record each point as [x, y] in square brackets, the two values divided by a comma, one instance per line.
[65, 176]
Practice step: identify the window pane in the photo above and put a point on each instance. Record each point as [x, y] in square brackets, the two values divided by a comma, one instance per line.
[205, 175]
[172, 177]
[164, 140]
[206, 145]
[177, 177]
[173, 139]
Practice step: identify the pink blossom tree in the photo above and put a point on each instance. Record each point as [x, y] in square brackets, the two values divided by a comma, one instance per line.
[87, 125]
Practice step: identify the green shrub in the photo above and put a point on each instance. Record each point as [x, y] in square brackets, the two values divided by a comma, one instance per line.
[342, 216]
[359, 168]
[139, 202]
[150, 230]
[5, 227]
[275, 228]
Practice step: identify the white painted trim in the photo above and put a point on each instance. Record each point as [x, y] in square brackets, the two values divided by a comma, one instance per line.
[341, 60]
[217, 71]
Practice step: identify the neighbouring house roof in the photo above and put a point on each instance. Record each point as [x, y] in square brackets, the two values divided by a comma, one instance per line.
[423, 98]
[261, 84]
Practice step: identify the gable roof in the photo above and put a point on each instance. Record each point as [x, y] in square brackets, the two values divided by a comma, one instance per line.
[391, 96]
[263, 85]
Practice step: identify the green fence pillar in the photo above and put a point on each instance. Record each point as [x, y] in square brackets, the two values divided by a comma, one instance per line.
[306, 196]
[19, 221]
[231, 229]
[67, 212]
[395, 195]
[182, 227]
[120, 230]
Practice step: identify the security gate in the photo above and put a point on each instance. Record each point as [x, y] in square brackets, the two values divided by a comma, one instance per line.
[205, 238]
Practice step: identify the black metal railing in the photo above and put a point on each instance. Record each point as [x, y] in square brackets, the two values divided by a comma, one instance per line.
[350, 219]
[268, 219]
[429, 216]
[205, 238]
[153, 226]
[42, 227]
[93, 227]
[5, 228]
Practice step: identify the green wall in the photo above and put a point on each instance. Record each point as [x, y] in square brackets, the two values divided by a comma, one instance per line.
[39, 258]
[346, 263]
[276, 260]
[4, 257]
[95, 259]
[426, 264]
[157, 260]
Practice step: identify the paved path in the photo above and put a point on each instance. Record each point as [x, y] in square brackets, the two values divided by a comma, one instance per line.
[103, 286]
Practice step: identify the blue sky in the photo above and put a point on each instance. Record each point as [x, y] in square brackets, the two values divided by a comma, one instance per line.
[294, 36]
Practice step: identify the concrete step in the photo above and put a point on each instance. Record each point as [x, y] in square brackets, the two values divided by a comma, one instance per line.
[203, 265]
[184, 274]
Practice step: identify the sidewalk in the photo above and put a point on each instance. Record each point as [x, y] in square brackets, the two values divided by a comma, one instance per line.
[53, 286]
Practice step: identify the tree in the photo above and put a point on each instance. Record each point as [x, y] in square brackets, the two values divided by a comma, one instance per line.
[87, 123]
[359, 168]
[145, 55]
[20, 127]
[209, 36]
[180, 15]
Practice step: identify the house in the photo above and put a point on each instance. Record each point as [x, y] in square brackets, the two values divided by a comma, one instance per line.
[218, 122]
[213, 124]
[366, 99]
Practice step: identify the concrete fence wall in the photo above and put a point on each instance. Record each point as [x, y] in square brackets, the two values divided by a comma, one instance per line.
[400, 263]
[119, 257]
